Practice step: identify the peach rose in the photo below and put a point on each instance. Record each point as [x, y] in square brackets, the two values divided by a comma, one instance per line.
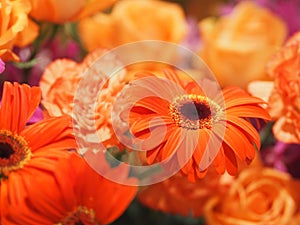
[132, 20]
[237, 47]
[259, 196]
[58, 11]
[16, 28]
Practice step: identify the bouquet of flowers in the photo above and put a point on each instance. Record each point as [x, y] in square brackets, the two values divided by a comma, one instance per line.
[149, 112]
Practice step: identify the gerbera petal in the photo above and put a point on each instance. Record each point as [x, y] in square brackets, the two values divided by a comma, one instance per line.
[155, 104]
[214, 142]
[16, 195]
[238, 101]
[230, 160]
[231, 93]
[235, 96]
[154, 87]
[92, 190]
[172, 144]
[200, 173]
[252, 111]
[171, 75]
[219, 162]
[187, 149]
[18, 105]
[157, 136]
[203, 139]
[49, 131]
[194, 88]
[239, 143]
[246, 127]
[152, 155]
[150, 121]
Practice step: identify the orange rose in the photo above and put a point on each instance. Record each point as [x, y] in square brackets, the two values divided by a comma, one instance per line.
[58, 11]
[16, 28]
[259, 196]
[237, 47]
[132, 21]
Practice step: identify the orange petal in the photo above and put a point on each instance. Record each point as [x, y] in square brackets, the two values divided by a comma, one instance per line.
[50, 131]
[230, 160]
[155, 104]
[239, 143]
[173, 143]
[239, 101]
[246, 127]
[173, 76]
[252, 111]
[219, 162]
[18, 105]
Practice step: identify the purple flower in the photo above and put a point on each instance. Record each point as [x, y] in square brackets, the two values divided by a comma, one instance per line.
[12, 74]
[2, 66]
[37, 116]
[192, 40]
[288, 10]
[283, 157]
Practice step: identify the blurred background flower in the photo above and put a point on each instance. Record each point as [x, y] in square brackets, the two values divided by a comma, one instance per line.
[238, 45]
[257, 196]
[131, 21]
[61, 12]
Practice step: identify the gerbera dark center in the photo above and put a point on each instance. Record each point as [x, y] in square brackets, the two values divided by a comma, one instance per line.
[195, 110]
[6, 150]
[14, 152]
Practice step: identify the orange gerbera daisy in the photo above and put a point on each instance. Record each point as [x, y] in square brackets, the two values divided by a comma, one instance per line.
[85, 198]
[178, 121]
[27, 152]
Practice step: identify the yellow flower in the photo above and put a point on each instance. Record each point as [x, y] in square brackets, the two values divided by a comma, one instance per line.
[16, 28]
[237, 47]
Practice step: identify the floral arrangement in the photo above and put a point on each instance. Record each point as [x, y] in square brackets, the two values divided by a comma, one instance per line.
[149, 112]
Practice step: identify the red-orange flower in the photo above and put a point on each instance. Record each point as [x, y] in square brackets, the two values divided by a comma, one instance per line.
[27, 152]
[178, 121]
[84, 198]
